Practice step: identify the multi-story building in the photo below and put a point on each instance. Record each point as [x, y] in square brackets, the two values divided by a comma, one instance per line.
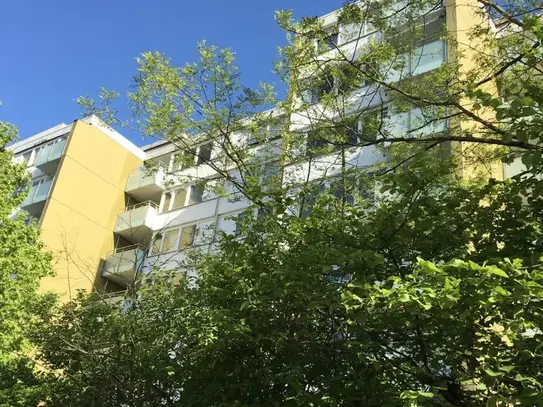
[109, 219]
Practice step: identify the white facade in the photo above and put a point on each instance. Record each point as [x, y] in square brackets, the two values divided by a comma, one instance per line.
[181, 216]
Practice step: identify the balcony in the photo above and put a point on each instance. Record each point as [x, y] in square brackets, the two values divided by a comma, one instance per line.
[38, 194]
[48, 156]
[135, 223]
[123, 265]
[145, 184]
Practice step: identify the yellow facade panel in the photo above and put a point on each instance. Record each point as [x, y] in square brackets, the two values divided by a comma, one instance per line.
[88, 193]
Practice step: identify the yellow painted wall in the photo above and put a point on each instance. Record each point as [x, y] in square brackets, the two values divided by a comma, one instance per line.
[462, 17]
[77, 224]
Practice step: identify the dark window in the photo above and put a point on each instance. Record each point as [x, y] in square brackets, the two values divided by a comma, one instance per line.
[339, 192]
[366, 187]
[315, 144]
[184, 160]
[239, 222]
[310, 199]
[205, 153]
[322, 85]
[329, 42]
[196, 193]
[349, 78]
[372, 123]
[351, 132]
[263, 211]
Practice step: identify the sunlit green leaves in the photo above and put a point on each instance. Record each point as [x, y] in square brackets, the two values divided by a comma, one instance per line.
[23, 262]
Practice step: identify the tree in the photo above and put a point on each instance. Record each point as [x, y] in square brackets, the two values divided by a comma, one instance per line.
[426, 292]
[23, 262]
[334, 308]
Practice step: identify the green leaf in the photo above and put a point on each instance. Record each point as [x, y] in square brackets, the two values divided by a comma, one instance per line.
[492, 373]
[501, 291]
[496, 271]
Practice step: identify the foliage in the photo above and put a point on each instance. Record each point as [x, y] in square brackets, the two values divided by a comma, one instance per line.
[22, 263]
[334, 308]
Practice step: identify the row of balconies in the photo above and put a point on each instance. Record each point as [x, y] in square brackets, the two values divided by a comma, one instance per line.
[135, 224]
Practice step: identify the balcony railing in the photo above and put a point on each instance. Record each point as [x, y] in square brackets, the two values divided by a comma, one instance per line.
[135, 223]
[48, 156]
[146, 184]
[123, 264]
[38, 194]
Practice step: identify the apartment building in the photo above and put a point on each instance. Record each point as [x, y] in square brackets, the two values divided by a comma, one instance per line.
[111, 211]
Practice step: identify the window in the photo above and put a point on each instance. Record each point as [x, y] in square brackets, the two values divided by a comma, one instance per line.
[187, 236]
[204, 154]
[327, 140]
[427, 57]
[26, 158]
[157, 242]
[162, 161]
[174, 200]
[239, 224]
[205, 231]
[184, 160]
[337, 189]
[226, 225]
[196, 193]
[415, 122]
[322, 85]
[39, 191]
[423, 59]
[42, 190]
[43, 154]
[57, 148]
[269, 172]
[351, 129]
[315, 143]
[274, 129]
[179, 197]
[372, 123]
[351, 32]
[173, 239]
[50, 151]
[343, 79]
[310, 199]
[169, 240]
[167, 201]
[330, 41]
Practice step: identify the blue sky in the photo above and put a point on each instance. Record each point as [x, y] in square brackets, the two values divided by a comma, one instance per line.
[54, 51]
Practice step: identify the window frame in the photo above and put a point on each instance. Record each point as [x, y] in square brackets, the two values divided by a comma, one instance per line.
[157, 245]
